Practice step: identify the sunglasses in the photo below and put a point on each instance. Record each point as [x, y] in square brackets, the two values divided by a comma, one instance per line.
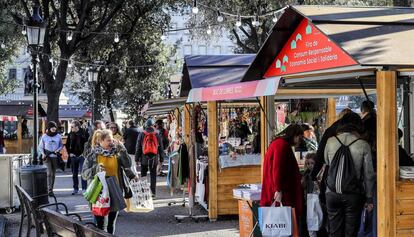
[112, 127]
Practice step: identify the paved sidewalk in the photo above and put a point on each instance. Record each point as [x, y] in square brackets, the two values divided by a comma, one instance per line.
[160, 222]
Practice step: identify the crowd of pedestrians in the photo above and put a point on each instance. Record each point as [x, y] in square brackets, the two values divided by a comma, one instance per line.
[105, 147]
[341, 169]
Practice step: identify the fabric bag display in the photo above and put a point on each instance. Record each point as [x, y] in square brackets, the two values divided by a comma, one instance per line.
[314, 214]
[141, 200]
[275, 221]
[102, 206]
[115, 193]
[93, 190]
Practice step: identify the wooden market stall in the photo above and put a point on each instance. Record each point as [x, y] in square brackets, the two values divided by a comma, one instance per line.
[321, 47]
[17, 119]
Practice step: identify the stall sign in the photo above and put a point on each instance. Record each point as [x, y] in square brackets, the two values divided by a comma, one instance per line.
[308, 49]
[235, 91]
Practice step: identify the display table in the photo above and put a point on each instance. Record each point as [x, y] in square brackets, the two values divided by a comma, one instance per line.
[248, 203]
[225, 161]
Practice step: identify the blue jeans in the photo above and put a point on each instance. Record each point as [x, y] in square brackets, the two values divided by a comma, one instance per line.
[1, 150]
[76, 165]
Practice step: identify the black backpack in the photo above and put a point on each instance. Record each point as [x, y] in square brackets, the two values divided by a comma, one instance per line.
[342, 177]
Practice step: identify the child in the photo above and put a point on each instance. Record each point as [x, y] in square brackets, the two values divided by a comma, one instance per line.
[309, 186]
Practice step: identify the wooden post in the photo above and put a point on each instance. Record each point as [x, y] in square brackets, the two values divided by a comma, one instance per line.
[212, 159]
[19, 135]
[187, 124]
[331, 112]
[386, 152]
[266, 132]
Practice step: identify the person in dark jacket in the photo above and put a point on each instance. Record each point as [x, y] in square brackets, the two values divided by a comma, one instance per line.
[345, 207]
[2, 142]
[149, 161]
[404, 158]
[74, 145]
[369, 119]
[130, 138]
[329, 132]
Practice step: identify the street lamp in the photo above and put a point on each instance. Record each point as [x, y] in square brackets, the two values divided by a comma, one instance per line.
[35, 32]
[93, 78]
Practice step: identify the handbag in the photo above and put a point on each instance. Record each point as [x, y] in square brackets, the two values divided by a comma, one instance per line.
[127, 188]
[141, 200]
[275, 221]
[115, 193]
[102, 206]
[93, 190]
[60, 162]
[314, 214]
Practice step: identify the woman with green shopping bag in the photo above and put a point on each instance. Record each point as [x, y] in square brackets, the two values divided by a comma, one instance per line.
[109, 156]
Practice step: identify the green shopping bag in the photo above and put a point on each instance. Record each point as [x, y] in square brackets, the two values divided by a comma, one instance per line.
[93, 190]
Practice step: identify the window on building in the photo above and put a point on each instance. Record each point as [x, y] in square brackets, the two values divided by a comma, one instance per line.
[217, 49]
[174, 26]
[12, 73]
[187, 50]
[202, 49]
[187, 26]
[231, 49]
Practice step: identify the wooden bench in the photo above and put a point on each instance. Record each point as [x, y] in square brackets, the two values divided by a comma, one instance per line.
[58, 224]
[28, 208]
[55, 223]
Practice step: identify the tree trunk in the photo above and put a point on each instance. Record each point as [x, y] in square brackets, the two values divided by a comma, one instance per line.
[53, 105]
[402, 3]
[111, 112]
[98, 102]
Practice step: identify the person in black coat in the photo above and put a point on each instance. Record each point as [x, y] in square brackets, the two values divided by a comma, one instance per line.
[130, 138]
[329, 132]
[75, 145]
[404, 158]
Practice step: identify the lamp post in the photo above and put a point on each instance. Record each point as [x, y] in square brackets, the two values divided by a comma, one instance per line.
[93, 78]
[36, 29]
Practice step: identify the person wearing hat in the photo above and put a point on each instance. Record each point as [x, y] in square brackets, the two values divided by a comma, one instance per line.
[51, 144]
[149, 152]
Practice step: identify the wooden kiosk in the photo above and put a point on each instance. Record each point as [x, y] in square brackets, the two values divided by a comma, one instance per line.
[217, 79]
[321, 48]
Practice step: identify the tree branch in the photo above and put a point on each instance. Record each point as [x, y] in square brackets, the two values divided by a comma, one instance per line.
[240, 43]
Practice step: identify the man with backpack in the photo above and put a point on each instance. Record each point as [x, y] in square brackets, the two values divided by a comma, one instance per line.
[350, 180]
[149, 152]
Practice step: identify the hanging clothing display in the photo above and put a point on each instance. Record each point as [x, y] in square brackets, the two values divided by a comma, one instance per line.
[172, 176]
[184, 164]
[202, 181]
[178, 168]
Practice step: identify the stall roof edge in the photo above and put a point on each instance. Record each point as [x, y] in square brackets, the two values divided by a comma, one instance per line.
[365, 33]
[212, 70]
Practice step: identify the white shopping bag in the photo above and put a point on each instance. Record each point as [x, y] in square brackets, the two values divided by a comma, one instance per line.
[314, 214]
[275, 221]
[141, 200]
[102, 206]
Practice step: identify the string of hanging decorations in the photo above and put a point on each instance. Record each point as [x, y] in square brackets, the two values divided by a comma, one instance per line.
[88, 66]
[221, 17]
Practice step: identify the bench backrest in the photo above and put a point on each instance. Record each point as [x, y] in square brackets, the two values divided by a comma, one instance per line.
[58, 224]
[90, 231]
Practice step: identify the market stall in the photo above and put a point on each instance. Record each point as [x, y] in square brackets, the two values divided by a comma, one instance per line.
[340, 48]
[17, 120]
[230, 111]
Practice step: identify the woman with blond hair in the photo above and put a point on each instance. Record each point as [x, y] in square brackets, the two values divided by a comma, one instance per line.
[111, 157]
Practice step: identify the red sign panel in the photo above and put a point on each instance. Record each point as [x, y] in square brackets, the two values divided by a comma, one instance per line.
[308, 49]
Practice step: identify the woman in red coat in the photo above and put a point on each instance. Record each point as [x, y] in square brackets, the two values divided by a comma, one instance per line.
[281, 176]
